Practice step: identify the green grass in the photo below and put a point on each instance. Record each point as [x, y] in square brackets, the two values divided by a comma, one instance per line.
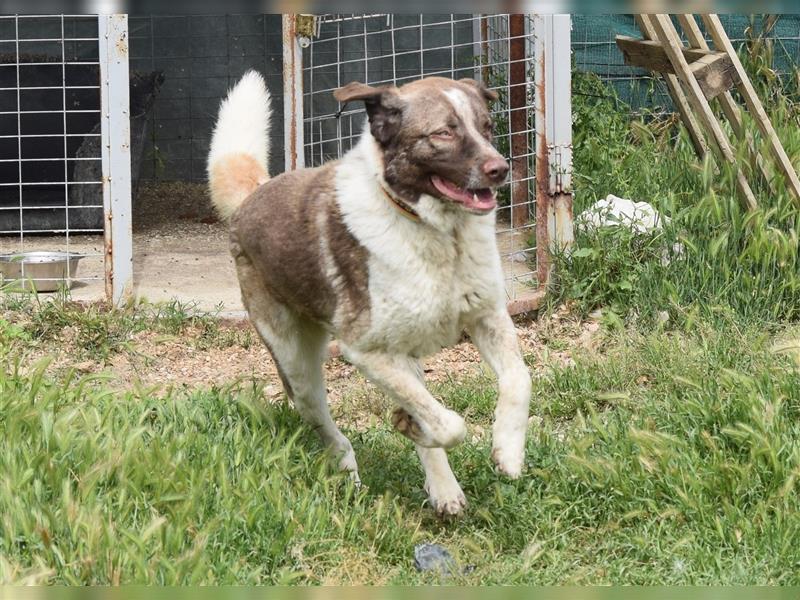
[667, 458]
[100, 331]
[731, 262]
[668, 453]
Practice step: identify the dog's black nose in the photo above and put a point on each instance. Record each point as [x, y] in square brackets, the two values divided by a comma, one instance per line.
[496, 169]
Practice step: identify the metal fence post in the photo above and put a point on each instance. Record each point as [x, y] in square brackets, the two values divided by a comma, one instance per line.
[292, 95]
[553, 138]
[116, 147]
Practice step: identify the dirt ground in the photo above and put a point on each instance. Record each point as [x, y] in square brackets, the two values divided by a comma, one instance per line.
[236, 357]
[181, 249]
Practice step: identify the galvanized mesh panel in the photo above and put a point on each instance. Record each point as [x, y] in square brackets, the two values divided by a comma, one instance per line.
[395, 49]
[50, 147]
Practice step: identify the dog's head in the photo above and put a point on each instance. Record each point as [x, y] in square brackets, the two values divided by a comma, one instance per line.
[436, 138]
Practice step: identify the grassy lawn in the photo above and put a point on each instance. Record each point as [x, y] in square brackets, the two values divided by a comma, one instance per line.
[661, 457]
[667, 451]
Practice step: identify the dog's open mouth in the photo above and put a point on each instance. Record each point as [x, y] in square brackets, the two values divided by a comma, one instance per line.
[481, 200]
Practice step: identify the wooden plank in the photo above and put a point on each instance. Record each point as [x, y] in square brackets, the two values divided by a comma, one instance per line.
[650, 54]
[715, 74]
[714, 70]
[527, 304]
[666, 33]
[748, 92]
[728, 104]
[677, 94]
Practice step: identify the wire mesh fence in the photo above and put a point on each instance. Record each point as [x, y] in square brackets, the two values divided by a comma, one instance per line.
[381, 49]
[51, 197]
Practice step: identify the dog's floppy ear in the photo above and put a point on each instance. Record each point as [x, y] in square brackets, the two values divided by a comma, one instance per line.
[488, 95]
[355, 90]
[384, 107]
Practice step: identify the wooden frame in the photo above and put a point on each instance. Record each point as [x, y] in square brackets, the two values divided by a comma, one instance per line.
[678, 97]
[727, 103]
[714, 71]
[696, 75]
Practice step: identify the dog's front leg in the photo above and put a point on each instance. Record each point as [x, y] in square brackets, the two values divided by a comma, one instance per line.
[444, 493]
[496, 338]
[420, 417]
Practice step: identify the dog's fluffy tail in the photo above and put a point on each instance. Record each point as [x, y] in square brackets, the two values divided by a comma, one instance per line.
[237, 161]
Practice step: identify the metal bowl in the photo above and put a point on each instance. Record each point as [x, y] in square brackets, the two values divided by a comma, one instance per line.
[39, 271]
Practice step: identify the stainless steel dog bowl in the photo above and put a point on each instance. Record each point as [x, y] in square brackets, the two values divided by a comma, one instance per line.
[39, 271]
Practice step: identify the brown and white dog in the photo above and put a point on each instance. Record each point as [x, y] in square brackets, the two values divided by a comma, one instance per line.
[390, 249]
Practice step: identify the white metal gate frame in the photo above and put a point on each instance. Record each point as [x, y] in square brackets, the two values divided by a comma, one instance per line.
[553, 82]
[116, 151]
[549, 42]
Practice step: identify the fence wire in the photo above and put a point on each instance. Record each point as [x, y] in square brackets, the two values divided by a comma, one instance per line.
[200, 57]
[380, 49]
[50, 146]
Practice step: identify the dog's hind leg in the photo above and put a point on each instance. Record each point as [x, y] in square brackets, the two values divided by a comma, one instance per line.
[299, 348]
[300, 359]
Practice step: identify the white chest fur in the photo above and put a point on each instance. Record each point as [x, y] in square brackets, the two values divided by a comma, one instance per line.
[426, 279]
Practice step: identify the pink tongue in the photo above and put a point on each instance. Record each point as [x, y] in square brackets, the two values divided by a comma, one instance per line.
[478, 199]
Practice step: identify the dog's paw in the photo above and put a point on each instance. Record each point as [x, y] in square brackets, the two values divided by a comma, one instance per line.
[448, 432]
[447, 501]
[354, 477]
[508, 462]
[348, 463]
[342, 450]
[508, 449]
[450, 508]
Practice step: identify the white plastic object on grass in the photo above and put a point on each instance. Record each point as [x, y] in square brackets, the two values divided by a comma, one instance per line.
[641, 217]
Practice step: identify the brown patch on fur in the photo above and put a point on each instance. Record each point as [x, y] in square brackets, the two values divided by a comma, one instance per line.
[405, 424]
[352, 287]
[279, 231]
[233, 178]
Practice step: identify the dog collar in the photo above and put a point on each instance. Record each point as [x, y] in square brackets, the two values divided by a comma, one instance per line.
[401, 205]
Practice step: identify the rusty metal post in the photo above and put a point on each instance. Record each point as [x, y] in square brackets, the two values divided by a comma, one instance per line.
[292, 95]
[518, 121]
[483, 36]
[553, 139]
[116, 154]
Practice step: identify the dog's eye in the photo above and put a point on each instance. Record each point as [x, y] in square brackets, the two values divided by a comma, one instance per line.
[444, 134]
